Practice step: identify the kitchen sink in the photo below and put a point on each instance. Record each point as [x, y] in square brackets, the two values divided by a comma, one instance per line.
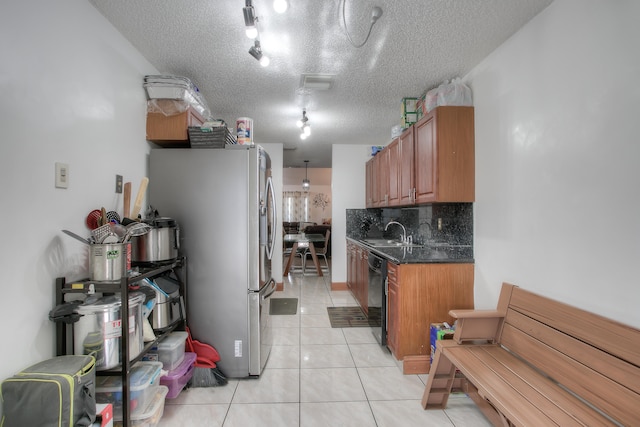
[385, 243]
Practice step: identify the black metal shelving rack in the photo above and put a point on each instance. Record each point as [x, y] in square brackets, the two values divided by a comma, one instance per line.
[64, 331]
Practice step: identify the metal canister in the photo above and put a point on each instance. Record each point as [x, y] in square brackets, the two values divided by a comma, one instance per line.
[109, 262]
[244, 129]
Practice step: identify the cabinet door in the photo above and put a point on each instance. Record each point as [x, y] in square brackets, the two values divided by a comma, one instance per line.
[364, 280]
[382, 173]
[425, 159]
[406, 170]
[351, 268]
[392, 308]
[375, 181]
[393, 169]
[369, 183]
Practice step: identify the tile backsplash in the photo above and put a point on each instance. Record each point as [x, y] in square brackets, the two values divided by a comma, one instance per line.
[440, 222]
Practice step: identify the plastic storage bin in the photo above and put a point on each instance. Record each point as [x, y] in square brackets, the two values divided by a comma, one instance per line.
[176, 379]
[152, 414]
[171, 350]
[143, 384]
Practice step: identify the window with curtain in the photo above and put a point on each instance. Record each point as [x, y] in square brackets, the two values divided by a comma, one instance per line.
[295, 206]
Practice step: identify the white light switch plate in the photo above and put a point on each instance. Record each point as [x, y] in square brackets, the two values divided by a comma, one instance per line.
[62, 175]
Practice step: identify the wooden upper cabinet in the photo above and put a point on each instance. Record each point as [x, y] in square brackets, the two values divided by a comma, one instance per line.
[369, 183]
[406, 169]
[382, 171]
[432, 161]
[393, 172]
[444, 156]
[425, 160]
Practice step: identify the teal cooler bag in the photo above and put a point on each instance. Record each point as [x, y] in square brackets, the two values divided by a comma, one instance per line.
[57, 392]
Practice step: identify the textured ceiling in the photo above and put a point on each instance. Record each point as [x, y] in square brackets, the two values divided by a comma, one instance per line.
[414, 46]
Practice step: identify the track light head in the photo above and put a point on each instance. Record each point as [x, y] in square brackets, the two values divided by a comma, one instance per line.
[250, 20]
[256, 52]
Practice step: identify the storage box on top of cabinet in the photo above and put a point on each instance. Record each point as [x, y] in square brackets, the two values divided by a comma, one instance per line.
[168, 122]
[408, 112]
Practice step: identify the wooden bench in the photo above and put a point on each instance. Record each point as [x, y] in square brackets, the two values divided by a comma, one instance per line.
[537, 362]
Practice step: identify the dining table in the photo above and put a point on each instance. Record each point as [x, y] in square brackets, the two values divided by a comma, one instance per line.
[300, 240]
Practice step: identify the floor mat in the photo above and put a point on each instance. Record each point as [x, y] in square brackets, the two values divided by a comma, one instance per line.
[283, 306]
[352, 317]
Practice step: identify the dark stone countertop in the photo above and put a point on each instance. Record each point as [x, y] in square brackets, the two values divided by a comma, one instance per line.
[429, 253]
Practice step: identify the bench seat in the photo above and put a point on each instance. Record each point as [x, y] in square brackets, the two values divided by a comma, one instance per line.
[536, 362]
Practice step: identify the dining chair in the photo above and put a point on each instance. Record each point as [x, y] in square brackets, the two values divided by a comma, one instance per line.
[320, 251]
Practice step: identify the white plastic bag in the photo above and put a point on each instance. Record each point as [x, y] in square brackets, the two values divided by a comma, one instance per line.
[454, 93]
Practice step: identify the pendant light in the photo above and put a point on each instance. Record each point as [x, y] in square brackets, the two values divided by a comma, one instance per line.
[306, 184]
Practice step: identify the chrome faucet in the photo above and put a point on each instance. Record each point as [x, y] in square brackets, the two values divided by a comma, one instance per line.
[404, 238]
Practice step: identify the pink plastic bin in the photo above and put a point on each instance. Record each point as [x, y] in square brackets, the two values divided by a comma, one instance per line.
[177, 378]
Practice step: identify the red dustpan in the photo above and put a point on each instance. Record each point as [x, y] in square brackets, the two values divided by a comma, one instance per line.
[206, 355]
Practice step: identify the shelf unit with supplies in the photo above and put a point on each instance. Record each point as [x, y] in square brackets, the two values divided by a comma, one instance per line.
[64, 330]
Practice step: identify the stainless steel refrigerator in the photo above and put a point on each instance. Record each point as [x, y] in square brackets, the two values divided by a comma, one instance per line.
[223, 202]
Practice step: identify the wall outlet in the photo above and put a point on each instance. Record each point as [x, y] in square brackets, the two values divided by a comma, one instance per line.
[238, 348]
[118, 184]
[62, 175]
[439, 224]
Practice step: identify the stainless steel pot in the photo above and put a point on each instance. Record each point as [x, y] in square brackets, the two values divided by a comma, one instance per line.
[99, 329]
[109, 262]
[160, 244]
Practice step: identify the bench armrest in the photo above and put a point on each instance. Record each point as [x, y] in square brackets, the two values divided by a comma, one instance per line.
[465, 314]
[476, 325]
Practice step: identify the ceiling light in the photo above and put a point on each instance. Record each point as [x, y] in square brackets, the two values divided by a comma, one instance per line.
[256, 52]
[250, 20]
[300, 123]
[306, 184]
[251, 32]
[280, 6]
[376, 13]
[305, 129]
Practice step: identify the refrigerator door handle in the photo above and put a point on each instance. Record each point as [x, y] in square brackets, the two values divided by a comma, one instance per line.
[271, 241]
[272, 283]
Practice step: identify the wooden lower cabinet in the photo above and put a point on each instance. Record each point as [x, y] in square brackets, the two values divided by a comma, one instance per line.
[421, 294]
[358, 274]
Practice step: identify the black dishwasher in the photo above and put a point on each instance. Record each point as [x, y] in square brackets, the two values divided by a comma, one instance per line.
[378, 297]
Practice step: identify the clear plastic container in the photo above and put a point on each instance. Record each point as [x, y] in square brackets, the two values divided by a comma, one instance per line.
[171, 350]
[143, 382]
[176, 379]
[152, 414]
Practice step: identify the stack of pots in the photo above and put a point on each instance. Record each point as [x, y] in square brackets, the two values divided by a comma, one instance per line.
[99, 329]
[159, 245]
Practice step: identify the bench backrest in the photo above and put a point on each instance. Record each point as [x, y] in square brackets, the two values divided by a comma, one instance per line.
[596, 358]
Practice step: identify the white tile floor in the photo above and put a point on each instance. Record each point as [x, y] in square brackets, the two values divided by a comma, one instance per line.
[319, 376]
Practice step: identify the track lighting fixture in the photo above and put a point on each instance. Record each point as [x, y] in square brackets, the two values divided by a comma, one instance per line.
[256, 52]
[306, 184]
[305, 129]
[250, 20]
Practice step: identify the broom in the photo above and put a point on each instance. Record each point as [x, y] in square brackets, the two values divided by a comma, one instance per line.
[205, 373]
